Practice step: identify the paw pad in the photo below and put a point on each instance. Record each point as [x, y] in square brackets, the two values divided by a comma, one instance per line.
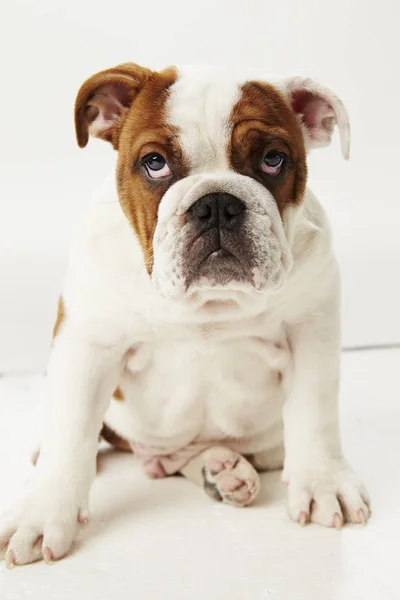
[230, 479]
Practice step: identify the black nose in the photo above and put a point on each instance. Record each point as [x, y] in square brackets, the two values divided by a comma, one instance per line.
[217, 210]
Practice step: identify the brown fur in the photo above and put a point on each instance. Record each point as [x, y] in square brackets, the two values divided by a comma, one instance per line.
[114, 439]
[141, 130]
[118, 394]
[262, 121]
[145, 130]
[60, 316]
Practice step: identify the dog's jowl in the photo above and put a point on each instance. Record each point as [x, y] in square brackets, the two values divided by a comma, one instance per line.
[199, 321]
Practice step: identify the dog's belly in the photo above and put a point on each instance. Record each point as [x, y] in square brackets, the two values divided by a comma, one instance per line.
[178, 392]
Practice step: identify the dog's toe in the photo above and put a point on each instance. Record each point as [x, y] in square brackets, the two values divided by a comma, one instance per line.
[230, 478]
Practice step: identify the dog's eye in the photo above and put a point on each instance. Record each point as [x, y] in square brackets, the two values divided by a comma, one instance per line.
[272, 162]
[156, 166]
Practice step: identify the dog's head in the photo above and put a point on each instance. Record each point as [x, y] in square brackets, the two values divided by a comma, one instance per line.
[211, 169]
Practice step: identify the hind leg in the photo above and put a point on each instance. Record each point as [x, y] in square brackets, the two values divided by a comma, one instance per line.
[225, 475]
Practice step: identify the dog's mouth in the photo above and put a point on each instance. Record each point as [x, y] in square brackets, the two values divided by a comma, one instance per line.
[222, 267]
[245, 260]
[216, 259]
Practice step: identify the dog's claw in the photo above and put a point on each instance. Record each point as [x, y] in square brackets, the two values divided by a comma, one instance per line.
[361, 517]
[337, 521]
[10, 560]
[48, 555]
[303, 519]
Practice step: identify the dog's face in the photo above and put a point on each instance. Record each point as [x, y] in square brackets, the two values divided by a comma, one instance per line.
[211, 169]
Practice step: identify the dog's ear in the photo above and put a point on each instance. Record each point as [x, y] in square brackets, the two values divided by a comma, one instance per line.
[103, 100]
[319, 110]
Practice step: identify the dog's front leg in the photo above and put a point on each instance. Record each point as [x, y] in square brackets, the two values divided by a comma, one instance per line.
[321, 485]
[81, 378]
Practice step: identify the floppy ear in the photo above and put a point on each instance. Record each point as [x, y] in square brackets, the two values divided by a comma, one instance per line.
[319, 110]
[103, 100]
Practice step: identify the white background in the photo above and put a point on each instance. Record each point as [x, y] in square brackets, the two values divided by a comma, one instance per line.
[48, 48]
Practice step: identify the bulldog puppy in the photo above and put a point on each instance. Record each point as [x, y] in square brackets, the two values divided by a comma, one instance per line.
[199, 322]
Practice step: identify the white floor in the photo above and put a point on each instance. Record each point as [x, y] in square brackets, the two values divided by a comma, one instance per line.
[167, 540]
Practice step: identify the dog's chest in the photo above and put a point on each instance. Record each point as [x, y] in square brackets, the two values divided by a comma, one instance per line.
[205, 386]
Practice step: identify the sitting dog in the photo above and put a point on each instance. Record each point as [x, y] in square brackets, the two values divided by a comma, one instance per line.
[199, 322]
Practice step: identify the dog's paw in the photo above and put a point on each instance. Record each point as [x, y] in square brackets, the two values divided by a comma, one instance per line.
[329, 496]
[229, 478]
[42, 528]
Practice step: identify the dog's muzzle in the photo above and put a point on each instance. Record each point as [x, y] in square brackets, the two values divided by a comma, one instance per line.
[217, 253]
[218, 233]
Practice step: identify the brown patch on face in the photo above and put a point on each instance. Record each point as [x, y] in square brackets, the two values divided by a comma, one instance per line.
[118, 394]
[262, 121]
[125, 105]
[146, 131]
[60, 317]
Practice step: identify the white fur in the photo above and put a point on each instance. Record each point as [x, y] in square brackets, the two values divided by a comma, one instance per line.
[201, 365]
[199, 105]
